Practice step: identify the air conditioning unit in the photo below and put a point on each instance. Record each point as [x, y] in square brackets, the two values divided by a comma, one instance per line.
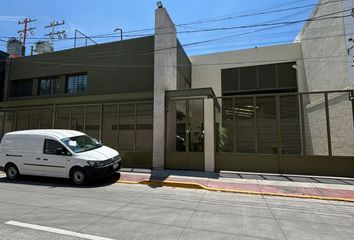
[43, 47]
[14, 47]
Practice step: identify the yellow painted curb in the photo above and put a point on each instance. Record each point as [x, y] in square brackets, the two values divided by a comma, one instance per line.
[199, 186]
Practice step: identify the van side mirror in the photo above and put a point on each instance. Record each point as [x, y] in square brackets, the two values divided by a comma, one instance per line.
[97, 141]
[61, 151]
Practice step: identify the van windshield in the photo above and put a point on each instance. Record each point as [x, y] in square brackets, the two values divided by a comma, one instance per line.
[81, 143]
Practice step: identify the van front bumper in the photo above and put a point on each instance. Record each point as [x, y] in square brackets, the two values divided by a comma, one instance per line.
[99, 172]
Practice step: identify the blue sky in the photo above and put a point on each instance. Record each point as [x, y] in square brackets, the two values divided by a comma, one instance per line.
[102, 17]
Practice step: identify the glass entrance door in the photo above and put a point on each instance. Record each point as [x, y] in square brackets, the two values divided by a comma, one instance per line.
[185, 135]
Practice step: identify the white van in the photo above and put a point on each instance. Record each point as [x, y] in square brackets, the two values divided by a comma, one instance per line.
[56, 153]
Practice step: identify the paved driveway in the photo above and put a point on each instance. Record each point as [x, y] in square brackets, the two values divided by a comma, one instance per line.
[40, 208]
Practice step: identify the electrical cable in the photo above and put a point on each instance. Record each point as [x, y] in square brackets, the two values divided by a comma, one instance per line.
[322, 17]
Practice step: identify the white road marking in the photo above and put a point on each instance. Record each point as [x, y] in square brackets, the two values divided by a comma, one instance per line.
[56, 230]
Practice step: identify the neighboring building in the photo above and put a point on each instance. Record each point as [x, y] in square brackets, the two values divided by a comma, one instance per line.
[3, 64]
[245, 110]
[328, 66]
[86, 71]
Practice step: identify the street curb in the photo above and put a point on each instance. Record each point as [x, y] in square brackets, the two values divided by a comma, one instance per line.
[199, 186]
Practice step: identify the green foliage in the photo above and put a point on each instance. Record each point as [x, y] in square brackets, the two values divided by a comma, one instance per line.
[222, 137]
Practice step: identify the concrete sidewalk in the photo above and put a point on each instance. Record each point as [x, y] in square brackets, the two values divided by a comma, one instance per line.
[313, 187]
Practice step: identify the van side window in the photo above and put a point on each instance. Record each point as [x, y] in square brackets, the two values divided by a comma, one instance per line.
[51, 146]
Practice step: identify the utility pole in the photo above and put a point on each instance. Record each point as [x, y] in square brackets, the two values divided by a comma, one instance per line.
[26, 21]
[52, 34]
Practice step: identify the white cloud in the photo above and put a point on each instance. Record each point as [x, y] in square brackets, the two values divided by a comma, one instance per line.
[11, 18]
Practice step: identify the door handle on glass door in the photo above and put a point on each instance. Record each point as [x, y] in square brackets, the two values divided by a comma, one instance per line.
[188, 129]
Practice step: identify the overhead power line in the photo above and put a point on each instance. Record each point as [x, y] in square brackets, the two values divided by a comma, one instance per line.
[278, 25]
[215, 19]
[135, 52]
[322, 17]
[50, 60]
[209, 20]
[258, 14]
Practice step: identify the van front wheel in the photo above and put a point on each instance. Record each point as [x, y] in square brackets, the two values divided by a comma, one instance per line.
[12, 172]
[78, 176]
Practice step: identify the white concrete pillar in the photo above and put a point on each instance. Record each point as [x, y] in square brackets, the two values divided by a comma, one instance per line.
[209, 135]
[165, 78]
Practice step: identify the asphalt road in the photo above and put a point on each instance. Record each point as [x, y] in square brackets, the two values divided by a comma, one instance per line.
[41, 208]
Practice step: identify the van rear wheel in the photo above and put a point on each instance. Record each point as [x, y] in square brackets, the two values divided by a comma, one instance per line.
[12, 172]
[78, 176]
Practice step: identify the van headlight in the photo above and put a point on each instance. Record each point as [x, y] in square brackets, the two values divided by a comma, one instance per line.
[93, 163]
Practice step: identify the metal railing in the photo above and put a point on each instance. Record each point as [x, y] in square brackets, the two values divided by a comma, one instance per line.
[114, 123]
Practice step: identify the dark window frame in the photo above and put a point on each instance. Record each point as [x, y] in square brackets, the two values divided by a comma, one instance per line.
[63, 147]
[51, 79]
[20, 93]
[77, 90]
[231, 79]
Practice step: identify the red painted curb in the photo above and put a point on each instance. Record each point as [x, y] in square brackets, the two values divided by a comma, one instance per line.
[216, 185]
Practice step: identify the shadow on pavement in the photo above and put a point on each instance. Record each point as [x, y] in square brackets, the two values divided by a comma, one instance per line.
[61, 182]
[162, 175]
[287, 178]
[156, 176]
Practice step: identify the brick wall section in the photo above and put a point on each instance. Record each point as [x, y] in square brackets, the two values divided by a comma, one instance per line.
[341, 126]
[324, 48]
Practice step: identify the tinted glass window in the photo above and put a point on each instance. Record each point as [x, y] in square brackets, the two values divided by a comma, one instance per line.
[229, 80]
[245, 125]
[81, 143]
[51, 146]
[21, 88]
[77, 83]
[287, 75]
[48, 86]
[248, 78]
[258, 78]
[267, 76]
[227, 125]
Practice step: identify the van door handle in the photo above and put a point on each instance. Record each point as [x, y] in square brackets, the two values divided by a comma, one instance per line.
[38, 159]
[13, 155]
[45, 159]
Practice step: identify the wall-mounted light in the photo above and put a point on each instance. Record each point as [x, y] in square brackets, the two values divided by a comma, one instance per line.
[159, 4]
